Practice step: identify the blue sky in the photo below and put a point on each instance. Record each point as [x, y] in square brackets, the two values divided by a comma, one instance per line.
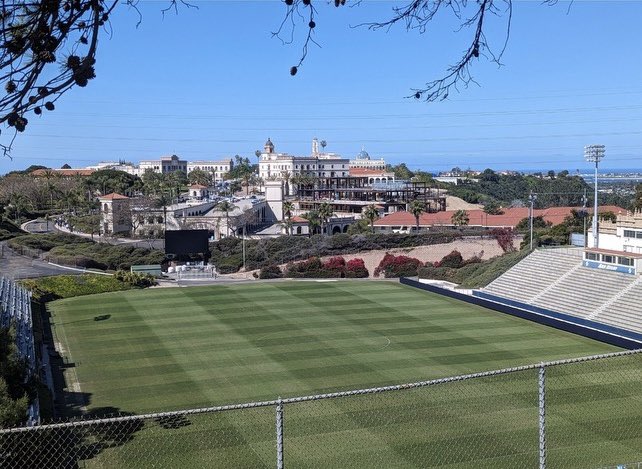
[212, 82]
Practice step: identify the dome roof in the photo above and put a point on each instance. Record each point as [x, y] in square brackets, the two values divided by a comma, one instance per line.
[363, 155]
[269, 143]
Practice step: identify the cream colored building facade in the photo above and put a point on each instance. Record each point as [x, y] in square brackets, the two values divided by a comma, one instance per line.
[282, 166]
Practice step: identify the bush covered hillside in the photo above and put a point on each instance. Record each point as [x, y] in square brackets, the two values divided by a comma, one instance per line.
[227, 254]
[471, 273]
[82, 252]
[8, 230]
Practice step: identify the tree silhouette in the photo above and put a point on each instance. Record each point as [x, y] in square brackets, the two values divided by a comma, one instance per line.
[417, 207]
[460, 218]
[371, 214]
[314, 221]
[226, 207]
[325, 212]
[474, 18]
[288, 208]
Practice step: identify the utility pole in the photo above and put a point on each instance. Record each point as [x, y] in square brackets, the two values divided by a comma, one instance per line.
[243, 243]
[531, 198]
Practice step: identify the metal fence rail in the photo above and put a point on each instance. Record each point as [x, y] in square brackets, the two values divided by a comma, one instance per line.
[580, 412]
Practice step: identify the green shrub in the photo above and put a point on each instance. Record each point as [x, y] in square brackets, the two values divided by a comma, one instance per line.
[66, 286]
[473, 273]
[9, 230]
[135, 279]
[48, 241]
[271, 271]
[453, 260]
[104, 256]
[229, 265]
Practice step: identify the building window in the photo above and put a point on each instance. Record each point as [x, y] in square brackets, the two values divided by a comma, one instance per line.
[629, 234]
[591, 256]
[624, 260]
[608, 258]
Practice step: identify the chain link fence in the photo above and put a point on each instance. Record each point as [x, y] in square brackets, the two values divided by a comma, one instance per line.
[576, 413]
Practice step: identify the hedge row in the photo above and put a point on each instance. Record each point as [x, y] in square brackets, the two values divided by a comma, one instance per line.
[314, 267]
[47, 241]
[68, 249]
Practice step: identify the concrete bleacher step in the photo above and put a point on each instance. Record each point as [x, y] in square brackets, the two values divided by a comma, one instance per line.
[557, 281]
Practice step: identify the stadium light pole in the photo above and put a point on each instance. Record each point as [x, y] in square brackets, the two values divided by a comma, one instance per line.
[584, 200]
[594, 154]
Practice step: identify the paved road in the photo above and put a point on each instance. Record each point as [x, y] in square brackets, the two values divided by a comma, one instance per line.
[42, 226]
[38, 226]
[15, 266]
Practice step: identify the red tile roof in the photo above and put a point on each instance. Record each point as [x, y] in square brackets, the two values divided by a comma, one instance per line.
[113, 196]
[509, 218]
[198, 186]
[296, 219]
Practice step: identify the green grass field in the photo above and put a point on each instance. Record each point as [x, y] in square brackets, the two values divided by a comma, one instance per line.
[166, 349]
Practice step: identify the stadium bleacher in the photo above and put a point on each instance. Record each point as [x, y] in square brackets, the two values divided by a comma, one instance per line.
[15, 311]
[555, 279]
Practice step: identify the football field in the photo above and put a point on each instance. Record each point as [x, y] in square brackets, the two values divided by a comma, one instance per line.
[177, 348]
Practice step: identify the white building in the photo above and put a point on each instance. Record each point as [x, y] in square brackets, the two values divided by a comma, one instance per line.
[164, 165]
[364, 161]
[282, 166]
[619, 246]
[217, 168]
[625, 234]
[117, 166]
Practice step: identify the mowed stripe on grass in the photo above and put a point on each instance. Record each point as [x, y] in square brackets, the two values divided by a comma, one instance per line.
[167, 349]
[221, 344]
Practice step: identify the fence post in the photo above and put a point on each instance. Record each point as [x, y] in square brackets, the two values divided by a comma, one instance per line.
[542, 416]
[279, 434]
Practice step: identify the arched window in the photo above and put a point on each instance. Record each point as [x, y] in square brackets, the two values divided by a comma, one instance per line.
[106, 208]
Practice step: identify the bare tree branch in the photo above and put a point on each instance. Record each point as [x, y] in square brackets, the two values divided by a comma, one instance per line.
[34, 70]
[418, 15]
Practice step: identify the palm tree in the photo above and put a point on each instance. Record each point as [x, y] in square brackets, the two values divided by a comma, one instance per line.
[50, 181]
[314, 221]
[288, 208]
[417, 207]
[226, 207]
[297, 181]
[325, 212]
[371, 214]
[164, 200]
[287, 224]
[460, 218]
[286, 177]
